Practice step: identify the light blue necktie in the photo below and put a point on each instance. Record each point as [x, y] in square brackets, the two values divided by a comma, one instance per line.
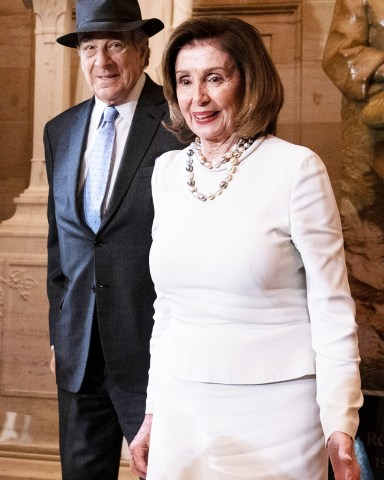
[98, 170]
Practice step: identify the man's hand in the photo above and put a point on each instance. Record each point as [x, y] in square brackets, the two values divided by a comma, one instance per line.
[342, 456]
[52, 364]
[139, 448]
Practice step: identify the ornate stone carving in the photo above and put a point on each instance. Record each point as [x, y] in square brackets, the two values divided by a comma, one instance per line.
[47, 14]
[18, 280]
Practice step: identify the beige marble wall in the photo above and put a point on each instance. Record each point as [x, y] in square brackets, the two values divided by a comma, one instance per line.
[16, 106]
[321, 101]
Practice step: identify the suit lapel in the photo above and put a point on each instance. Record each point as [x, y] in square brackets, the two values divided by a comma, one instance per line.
[77, 144]
[145, 123]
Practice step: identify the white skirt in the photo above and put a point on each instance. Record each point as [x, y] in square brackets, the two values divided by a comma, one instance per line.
[205, 431]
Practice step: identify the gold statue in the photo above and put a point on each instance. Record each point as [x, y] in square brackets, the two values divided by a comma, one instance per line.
[354, 60]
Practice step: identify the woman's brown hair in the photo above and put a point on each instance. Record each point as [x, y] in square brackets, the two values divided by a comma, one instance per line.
[263, 93]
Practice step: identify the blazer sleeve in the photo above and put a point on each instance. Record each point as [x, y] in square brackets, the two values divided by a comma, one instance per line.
[56, 280]
[316, 233]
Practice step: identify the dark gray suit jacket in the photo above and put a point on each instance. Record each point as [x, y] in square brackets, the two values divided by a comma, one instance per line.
[110, 268]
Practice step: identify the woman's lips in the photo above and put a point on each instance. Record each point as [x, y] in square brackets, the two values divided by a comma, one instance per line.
[204, 116]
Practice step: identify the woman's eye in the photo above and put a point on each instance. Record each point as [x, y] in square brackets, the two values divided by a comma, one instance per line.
[214, 78]
[183, 81]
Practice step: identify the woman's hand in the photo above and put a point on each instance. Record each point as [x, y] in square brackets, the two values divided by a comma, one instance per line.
[343, 458]
[139, 448]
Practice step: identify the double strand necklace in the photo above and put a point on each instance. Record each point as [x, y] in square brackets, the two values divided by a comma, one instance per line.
[231, 158]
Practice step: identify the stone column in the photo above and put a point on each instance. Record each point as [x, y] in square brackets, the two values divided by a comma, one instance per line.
[28, 418]
[51, 96]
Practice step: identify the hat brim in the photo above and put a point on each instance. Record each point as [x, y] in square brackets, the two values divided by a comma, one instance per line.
[150, 27]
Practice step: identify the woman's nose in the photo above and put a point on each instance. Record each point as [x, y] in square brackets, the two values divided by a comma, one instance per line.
[200, 95]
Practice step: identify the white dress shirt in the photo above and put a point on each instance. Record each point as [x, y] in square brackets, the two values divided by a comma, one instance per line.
[122, 124]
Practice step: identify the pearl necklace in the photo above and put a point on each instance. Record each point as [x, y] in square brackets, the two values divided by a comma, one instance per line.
[231, 158]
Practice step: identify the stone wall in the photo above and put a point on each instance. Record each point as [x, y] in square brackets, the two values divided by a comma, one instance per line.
[320, 100]
[16, 106]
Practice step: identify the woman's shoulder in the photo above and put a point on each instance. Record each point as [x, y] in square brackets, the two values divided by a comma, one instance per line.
[284, 146]
[279, 152]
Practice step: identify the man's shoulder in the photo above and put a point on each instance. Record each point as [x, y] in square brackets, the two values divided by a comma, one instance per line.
[70, 113]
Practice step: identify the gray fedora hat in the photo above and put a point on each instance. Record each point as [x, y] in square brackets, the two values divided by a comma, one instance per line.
[109, 16]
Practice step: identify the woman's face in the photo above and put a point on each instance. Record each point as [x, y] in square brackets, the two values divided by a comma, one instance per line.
[208, 88]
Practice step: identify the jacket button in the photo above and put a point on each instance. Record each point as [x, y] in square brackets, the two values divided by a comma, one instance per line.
[98, 243]
[93, 288]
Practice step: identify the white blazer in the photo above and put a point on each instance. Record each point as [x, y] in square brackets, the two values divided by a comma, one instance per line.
[252, 287]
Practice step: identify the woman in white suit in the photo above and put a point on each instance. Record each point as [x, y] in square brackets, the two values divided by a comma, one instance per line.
[254, 356]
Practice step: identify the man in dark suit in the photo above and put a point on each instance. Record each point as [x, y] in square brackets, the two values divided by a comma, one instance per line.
[99, 286]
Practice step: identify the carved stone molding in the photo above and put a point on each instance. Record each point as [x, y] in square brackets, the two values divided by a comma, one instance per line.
[50, 18]
[246, 7]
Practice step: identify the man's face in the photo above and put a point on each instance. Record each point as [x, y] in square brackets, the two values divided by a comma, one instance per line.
[111, 65]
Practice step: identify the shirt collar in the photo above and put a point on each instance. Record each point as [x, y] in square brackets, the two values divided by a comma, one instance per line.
[124, 108]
